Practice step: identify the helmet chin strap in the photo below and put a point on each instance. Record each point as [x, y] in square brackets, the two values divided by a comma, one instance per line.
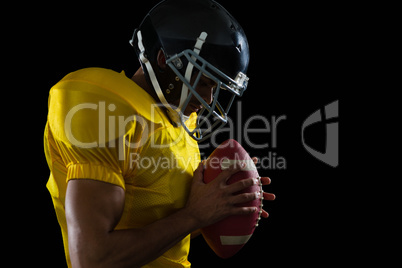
[176, 115]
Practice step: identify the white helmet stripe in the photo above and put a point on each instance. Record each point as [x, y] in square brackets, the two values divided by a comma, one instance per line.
[189, 69]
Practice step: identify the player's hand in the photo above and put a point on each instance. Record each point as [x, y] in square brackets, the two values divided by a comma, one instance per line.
[267, 196]
[212, 202]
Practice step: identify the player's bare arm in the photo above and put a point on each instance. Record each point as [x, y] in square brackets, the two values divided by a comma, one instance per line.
[94, 208]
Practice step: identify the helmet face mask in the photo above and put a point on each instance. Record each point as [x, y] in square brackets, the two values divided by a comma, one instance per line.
[212, 115]
[214, 47]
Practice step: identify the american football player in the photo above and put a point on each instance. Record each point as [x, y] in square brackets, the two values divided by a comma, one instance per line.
[126, 179]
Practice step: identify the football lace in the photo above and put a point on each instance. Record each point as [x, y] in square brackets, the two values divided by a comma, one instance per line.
[261, 205]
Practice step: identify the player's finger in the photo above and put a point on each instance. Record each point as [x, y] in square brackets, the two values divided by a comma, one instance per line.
[243, 210]
[264, 214]
[255, 160]
[241, 185]
[269, 196]
[265, 180]
[245, 197]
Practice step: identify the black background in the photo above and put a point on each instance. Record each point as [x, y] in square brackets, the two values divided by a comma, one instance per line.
[298, 55]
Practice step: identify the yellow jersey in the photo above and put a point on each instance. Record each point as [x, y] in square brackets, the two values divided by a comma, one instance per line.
[103, 126]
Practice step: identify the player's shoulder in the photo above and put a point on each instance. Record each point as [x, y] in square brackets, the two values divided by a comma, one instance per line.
[95, 80]
[95, 85]
[88, 101]
[97, 76]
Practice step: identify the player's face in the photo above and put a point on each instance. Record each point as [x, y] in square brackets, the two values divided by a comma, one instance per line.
[205, 88]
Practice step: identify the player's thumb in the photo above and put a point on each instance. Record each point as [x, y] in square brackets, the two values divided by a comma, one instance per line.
[199, 173]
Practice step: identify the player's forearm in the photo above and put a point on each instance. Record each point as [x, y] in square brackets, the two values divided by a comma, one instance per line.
[151, 241]
[137, 247]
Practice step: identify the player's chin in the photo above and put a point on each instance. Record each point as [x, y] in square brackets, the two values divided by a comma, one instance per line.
[188, 111]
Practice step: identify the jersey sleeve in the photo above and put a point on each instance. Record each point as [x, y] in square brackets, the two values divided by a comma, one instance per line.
[89, 125]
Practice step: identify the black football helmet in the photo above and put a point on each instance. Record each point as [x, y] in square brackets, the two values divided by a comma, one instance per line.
[197, 37]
